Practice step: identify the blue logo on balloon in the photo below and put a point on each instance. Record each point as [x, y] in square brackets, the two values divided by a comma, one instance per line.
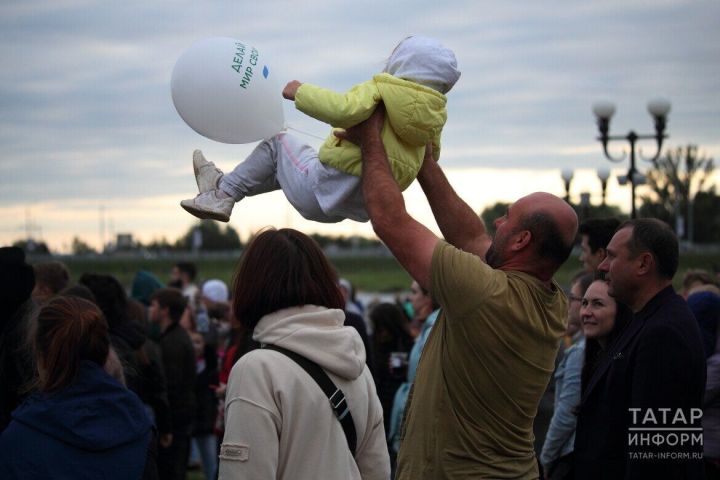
[265, 71]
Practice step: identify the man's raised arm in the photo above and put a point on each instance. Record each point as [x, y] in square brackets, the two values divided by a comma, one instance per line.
[411, 243]
[458, 223]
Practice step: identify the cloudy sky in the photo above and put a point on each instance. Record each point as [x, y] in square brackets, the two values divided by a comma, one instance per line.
[92, 144]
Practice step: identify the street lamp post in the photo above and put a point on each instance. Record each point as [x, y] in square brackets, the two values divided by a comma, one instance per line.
[567, 176]
[603, 174]
[604, 111]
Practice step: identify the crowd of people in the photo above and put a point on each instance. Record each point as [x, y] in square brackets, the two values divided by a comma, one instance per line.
[146, 380]
[170, 349]
[285, 375]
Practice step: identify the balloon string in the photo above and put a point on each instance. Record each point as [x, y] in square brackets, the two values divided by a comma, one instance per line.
[304, 133]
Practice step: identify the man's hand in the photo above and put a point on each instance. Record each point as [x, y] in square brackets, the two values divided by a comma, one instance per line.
[365, 130]
[291, 89]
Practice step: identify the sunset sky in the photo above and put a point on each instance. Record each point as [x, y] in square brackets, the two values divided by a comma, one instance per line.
[93, 146]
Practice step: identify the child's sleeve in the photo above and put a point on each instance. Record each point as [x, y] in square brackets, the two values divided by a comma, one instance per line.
[342, 110]
[436, 147]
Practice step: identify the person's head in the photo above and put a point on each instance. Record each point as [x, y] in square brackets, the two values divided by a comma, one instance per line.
[642, 258]
[79, 290]
[578, 286]
[198, 343]
[421, 301]
[281, 269]
[425, 61]
[347, 290]
[109, 295]
[595, 234]
[535, 235]
[136, 311]
[67, 331]
[694, 279]
[598, 312]
[50, 279]
[167, 306]
[215, 291]
[390, 325]
[183, 274]
[143, 286]
[603, 320]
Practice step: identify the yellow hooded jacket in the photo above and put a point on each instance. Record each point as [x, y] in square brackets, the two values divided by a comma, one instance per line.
[415, 117]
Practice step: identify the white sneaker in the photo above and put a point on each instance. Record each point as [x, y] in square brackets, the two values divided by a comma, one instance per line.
[207, 205]
[207, 175]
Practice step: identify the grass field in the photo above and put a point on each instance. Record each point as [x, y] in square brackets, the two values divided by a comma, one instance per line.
[369, 274]
[378, 273]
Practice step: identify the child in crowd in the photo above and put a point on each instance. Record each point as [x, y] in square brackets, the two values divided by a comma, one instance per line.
[325, 186]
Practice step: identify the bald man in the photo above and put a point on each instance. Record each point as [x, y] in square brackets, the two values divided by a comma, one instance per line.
[492, 350]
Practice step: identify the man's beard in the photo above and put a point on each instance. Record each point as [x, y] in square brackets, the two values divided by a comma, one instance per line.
[492, 256]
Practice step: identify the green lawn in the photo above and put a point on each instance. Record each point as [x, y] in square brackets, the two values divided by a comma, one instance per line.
[370, 274]
[379, 274]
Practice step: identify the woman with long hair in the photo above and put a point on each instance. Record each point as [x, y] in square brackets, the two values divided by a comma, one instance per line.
[81, 423]
[603, 320]
[279, 423]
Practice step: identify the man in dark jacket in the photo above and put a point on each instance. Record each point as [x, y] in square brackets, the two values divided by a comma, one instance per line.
[640, 412]
[166, 307]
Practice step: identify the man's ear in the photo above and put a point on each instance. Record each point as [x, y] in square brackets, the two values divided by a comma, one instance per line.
[645, 263]
[522, 239]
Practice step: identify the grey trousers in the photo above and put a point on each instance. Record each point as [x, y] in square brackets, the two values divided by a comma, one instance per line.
[318, 192]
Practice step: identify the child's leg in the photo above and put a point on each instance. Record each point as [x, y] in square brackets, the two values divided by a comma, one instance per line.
[256, 174]
[295, 162]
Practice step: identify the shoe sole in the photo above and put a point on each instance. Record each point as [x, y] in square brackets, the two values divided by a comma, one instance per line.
[203, 214]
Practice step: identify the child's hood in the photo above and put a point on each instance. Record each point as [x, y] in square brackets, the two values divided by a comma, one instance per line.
[425, 61]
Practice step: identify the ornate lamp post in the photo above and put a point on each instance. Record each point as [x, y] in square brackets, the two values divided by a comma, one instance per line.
[604, 111]
[603, 174]
[567, 176]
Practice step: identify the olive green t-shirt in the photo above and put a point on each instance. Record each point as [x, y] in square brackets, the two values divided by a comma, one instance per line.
[482, 372]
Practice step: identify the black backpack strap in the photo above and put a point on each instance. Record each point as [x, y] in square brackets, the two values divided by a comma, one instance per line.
[335, 395]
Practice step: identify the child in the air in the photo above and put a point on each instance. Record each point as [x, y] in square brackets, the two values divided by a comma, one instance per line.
[325, 186]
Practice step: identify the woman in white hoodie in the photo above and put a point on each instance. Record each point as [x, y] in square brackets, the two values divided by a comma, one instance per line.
[279, 423]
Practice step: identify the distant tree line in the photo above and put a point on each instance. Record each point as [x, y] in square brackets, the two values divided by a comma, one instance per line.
[206, 236]
[681, 194]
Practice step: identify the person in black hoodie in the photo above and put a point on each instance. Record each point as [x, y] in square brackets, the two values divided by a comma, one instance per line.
[82, 423]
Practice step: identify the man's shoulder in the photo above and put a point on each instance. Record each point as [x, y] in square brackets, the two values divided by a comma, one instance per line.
[445, 253]
[670, 326]
[671, 311]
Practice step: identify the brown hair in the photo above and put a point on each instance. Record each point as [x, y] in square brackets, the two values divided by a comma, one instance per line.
[68, 330]
[173, 299]
[654, 236]
[280, 269]
[54, 275]
[697, 276]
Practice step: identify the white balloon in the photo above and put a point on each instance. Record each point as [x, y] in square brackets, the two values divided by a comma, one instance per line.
[225, 90]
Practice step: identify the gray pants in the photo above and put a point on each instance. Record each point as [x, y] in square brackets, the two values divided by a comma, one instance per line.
[318, 192]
